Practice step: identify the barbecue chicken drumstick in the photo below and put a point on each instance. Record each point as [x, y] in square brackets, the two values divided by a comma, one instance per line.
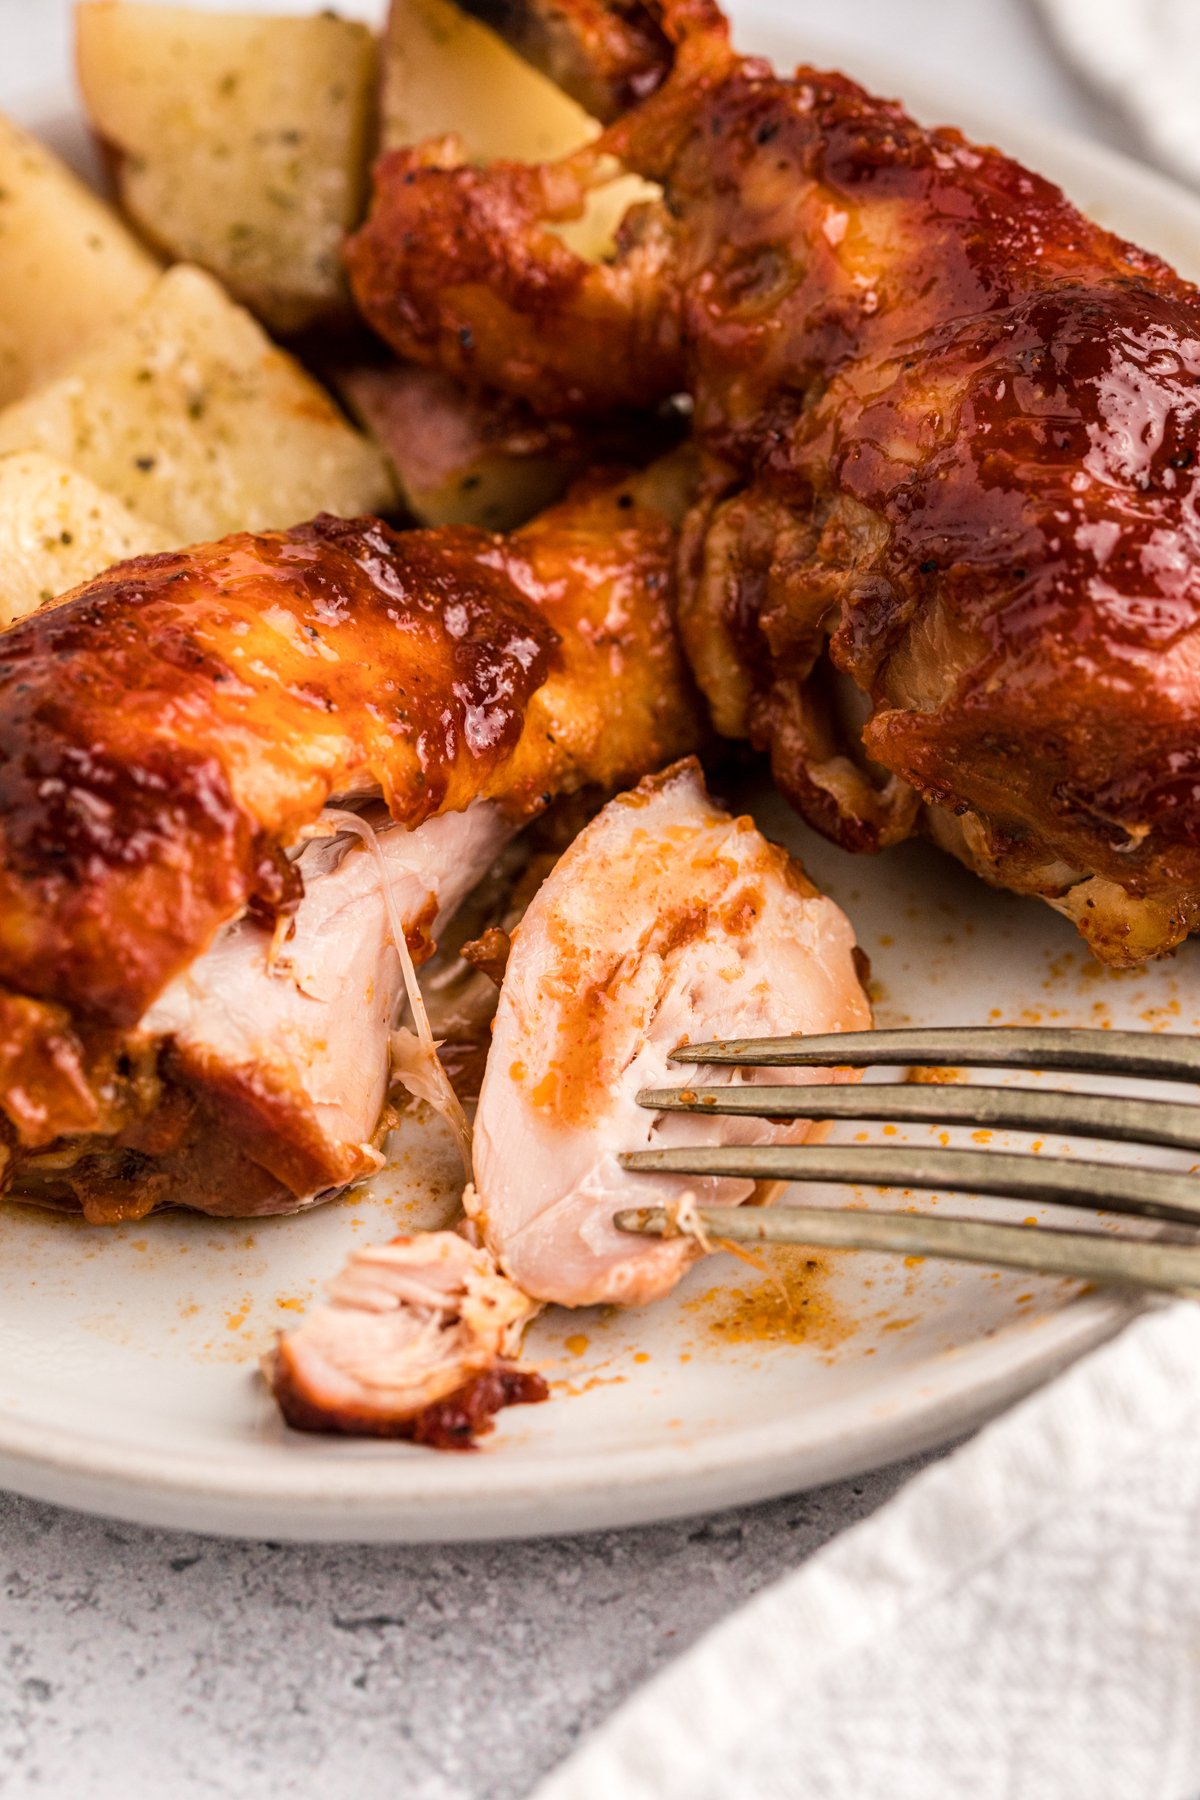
[195, 1002]
[945, 564]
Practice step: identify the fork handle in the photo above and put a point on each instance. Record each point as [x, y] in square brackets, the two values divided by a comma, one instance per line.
[1080, 1255]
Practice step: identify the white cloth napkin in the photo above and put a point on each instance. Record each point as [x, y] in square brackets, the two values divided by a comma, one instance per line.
[1021, 1623]
[1145, 56]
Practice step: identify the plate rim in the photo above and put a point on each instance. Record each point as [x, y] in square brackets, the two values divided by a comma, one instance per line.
[415, 1497]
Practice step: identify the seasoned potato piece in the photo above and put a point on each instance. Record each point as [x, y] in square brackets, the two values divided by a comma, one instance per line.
[445, 73]
[198, 423]
[57, 529]
[237, 142]
[69, 267]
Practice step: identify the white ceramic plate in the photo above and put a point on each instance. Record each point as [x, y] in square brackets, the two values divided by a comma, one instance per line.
[127, 1356]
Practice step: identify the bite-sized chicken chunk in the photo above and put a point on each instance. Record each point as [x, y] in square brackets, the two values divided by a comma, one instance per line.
[416, 1342]
[667, 921]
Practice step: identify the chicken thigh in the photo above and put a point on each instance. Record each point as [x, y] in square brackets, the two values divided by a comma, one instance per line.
[945, 564]
[195, 999]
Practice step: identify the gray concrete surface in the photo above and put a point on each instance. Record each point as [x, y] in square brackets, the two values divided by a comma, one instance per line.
[137, 1663]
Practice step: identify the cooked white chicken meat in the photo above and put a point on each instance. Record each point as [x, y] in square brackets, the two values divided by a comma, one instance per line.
[414, 1343]
[297, 1031]
[667, 921]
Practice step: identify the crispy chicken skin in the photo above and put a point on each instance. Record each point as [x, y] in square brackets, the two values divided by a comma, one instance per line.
[945, 566]
[169, 732]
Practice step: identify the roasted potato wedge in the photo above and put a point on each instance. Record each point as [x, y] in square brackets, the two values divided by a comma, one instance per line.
[606, 57]
[237, 142]
[445, 73]
[57, 529]
[69, 266]
[198, 423]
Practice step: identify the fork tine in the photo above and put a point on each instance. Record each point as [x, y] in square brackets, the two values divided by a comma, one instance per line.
[1165, 1056]
[1170, 1122]
[1084, 1255]
[1061, 1181]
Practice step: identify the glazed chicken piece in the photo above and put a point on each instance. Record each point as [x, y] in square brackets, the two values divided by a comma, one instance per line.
[945, 566]
[667, 921]
[416, 1342]
[190, 1011]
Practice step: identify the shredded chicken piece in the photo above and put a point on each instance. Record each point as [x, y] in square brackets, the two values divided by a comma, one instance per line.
[665, 921]
[414, 1055]
[417, 1342]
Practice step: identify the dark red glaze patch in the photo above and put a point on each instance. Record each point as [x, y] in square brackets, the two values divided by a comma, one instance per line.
[456, 1422]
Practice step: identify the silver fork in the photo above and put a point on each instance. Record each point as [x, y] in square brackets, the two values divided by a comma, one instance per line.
[1167, 1197]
